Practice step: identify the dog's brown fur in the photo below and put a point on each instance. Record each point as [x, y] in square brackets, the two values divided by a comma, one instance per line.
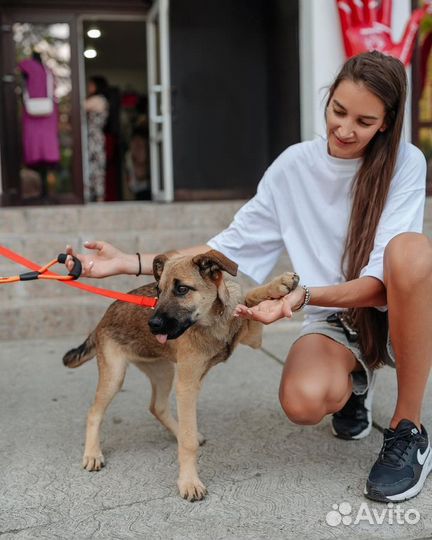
[206, 311]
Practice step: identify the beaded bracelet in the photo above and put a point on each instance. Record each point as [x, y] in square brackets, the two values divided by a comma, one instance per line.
[306, 298]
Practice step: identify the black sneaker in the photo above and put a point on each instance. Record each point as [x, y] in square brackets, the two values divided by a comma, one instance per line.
[354, 420]
[402, 466]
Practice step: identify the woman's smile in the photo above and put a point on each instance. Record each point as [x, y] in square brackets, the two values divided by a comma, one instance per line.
[342, 142]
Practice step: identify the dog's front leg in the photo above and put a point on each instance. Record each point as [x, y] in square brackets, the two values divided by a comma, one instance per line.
[276, 288]
[189, 374]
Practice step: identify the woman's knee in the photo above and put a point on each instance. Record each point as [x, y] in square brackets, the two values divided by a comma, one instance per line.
[303, 401]
[408, 260]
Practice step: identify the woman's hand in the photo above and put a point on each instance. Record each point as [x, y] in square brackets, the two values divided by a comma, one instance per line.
[270, 311]
[106, 260]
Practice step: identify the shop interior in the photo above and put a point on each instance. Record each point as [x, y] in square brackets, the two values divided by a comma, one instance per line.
[115, 53]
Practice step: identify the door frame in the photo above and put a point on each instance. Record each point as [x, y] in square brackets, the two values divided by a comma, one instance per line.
[159, 92]
[11, 146]
[159, 95]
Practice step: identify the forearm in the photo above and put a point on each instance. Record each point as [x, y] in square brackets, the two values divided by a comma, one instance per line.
[363, 292]
[130, 263]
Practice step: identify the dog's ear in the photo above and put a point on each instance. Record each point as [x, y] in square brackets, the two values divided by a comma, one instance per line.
[158, 265]
[213, 262]
[159, 262]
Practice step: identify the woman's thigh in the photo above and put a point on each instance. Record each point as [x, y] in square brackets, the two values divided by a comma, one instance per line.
[316, 378]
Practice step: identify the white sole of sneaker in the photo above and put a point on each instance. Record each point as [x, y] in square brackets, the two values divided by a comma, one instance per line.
[414, 490]
[360, 435]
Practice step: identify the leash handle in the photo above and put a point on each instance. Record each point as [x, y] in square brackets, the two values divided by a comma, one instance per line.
[77, 267]
[143, 301]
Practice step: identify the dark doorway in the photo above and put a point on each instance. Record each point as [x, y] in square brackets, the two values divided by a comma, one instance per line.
[235, 81]
[122, 64]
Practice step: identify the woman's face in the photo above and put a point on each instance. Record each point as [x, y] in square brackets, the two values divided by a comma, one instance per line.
[91, 88]
[354, 115]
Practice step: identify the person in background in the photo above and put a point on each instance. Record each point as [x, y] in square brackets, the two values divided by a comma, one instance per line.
[97, 109]
[137, 165]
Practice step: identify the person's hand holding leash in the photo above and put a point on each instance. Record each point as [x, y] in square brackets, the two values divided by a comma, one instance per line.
[270, 311]
[106, 260]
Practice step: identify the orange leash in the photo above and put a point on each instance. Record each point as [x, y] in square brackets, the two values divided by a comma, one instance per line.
[41, 272]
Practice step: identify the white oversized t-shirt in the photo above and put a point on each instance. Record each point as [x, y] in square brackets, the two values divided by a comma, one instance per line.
[303, 205]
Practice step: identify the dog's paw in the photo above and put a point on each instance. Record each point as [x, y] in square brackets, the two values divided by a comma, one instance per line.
[201, 439]
[192, 489]
[93, 463]
[283, 284]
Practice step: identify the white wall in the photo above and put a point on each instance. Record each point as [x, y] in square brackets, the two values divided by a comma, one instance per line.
[322, 54]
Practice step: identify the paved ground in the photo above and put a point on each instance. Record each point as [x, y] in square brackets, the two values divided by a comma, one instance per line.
[267, 478]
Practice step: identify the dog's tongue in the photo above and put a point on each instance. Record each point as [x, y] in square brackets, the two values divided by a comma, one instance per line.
[162, 338]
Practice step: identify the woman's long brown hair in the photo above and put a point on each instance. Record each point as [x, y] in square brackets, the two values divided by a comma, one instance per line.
[385, 77]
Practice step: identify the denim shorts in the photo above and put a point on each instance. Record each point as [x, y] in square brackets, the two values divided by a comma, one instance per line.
[335, 332]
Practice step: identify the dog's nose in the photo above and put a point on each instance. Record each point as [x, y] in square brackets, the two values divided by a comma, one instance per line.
[156, 324]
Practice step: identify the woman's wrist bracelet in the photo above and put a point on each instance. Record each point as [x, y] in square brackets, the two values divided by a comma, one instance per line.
[306, 298]
[139, 264]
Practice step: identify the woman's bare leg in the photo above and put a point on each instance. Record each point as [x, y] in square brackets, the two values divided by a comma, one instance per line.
[408, 280]
[316, 379]
[405, 459]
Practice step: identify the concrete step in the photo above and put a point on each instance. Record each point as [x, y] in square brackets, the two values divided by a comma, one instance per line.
[43, 247]
[48, 318]
[114, 217]
[45, 309]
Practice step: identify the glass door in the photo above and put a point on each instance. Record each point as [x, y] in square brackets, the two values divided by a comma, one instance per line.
[42, 160]
[159, 102]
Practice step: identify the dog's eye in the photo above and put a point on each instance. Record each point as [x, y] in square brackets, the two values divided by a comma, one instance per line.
[182, 290]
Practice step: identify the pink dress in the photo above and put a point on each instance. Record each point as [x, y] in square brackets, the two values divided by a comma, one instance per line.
[40, 133]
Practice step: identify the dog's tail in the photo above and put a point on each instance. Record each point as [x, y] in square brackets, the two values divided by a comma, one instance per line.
[83, 353]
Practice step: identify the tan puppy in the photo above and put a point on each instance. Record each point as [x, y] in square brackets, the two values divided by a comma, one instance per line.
[191, 330]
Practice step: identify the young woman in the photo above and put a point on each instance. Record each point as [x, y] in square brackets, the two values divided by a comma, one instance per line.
[97, 109]
[349, 210]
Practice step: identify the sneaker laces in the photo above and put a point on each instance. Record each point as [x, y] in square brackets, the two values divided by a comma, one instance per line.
[396, 445]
